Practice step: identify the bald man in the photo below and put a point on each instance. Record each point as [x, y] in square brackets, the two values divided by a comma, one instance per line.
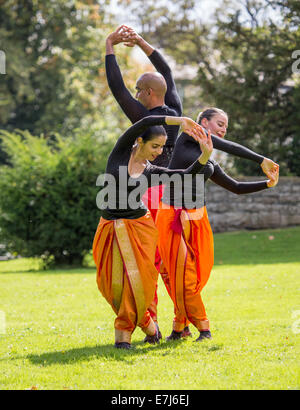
[151, 89]
[156, 92]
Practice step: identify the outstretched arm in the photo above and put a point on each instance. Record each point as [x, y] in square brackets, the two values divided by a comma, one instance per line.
[132, 108]
[225, 181]
[267, 165]
[236, 149]
[239, 150]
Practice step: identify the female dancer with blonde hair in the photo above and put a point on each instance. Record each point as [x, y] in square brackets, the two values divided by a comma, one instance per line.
[126, 238]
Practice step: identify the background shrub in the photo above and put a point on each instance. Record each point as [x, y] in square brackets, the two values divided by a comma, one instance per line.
[48, 195]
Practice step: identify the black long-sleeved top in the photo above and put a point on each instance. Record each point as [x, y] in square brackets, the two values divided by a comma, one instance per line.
[120, 191]
[135, 111]
[187, 150]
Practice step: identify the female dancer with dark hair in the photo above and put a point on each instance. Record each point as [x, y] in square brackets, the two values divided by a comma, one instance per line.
[126, 238]
[185, 236]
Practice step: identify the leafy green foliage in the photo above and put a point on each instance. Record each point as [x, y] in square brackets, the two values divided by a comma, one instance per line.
[255, 84]
[55, 83]
[244, 60]
[48, 194]
[52, 64]
[55, 78]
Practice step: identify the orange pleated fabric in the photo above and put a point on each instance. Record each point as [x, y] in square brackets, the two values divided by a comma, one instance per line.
[188, 257]
[124, 253]
[151, 199]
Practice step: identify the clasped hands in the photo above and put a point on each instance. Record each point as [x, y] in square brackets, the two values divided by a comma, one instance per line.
[196, 131]
[271, 169]
[124, 34]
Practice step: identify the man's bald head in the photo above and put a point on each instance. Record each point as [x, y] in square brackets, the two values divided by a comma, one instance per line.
[155, 82]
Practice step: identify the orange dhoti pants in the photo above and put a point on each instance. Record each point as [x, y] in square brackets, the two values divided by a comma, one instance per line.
[151, 199]
[124, 253]
[188, 255]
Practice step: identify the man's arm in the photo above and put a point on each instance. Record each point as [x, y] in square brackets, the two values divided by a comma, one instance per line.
[132, 108]
[172, 98]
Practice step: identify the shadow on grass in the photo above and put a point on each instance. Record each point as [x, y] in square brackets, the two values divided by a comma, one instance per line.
[104, 351]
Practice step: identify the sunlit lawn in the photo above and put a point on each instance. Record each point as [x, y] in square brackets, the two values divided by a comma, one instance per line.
[59, 330]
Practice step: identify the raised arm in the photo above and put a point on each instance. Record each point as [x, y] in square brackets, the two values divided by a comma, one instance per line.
[131, 107]
[221, 178]
[188, 125]
[172, 98]
[127, 139]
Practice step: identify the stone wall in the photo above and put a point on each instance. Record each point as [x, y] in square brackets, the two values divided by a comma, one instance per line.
[277, 207]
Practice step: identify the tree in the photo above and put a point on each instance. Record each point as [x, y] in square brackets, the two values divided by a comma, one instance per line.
[55, 77]
[244, 61]
[253, 84]
[48, 195]
[58, 123]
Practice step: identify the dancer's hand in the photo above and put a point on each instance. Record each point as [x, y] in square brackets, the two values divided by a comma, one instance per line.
[269, 167]
[206, 147]
[133, 37]
[120, 35]
[274, 177]
[197, 132]
[192, 128]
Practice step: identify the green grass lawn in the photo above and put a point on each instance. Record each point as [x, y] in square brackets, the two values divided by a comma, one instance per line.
[59, 330]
